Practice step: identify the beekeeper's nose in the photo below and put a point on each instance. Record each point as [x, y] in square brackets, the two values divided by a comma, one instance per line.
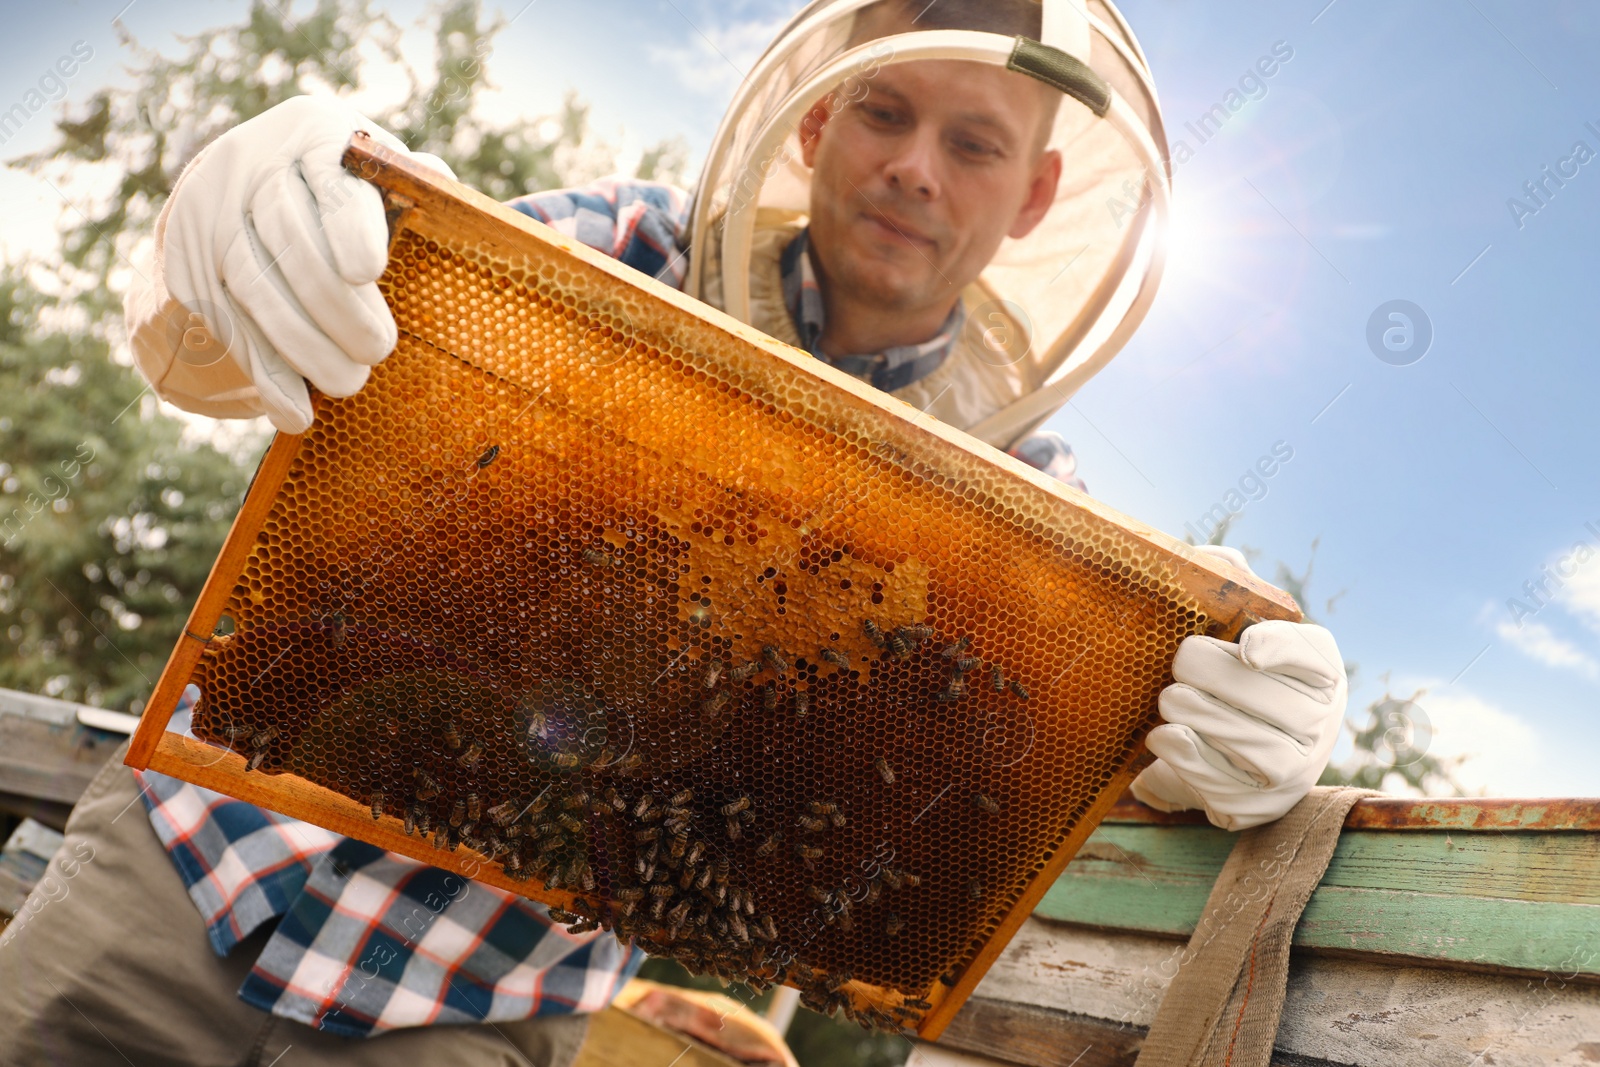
[912, 170]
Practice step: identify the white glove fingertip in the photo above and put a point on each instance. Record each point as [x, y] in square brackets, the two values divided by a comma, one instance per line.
[1159, 787]
[1302, 651]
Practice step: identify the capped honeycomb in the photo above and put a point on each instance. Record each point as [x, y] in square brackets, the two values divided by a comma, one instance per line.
[681, 632]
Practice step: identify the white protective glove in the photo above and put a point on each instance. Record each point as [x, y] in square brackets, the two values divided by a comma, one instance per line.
[266, 260]
[1249, 725]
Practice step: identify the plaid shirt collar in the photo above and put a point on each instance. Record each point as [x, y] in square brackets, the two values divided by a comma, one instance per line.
[889, 370]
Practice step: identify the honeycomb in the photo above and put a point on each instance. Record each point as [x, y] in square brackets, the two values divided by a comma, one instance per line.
[686, 635]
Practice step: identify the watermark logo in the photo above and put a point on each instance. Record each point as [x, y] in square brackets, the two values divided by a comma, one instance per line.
[201, 333]
[1000, 332]
[1407, 733]
[1399, 332]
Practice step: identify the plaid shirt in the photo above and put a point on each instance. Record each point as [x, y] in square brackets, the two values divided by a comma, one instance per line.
[369, 941]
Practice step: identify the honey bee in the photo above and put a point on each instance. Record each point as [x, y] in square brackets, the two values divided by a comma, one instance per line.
[720, 870]
[680, 798]
[427, 788]
[410, 821]
[996, 679]
[645, 803]
[897, 644]
[885, 771]
[974, 890]
[770, 845]
[474, 807]
[802, 703]
[734, 807]
[952, 692]
[735, 829]
[679, 914]
[257, 758]
[512, 862]
[337, 629]
[967, 663]
[716, 702]
[919, 1004]
[458, 812]
[649, 833]
[703, 879]
[573, 825]
[565, 760]
[424, 819]
[599, 558]
[837, 818]
[916, 633]
[912, 880]
[891, 877]
[615, 800]
[769, 698]
[838, 659]
[470, 755]
[630, 763]
[874, 890]
[983, 803]
[821, 807]
[874, 634]
[628, 893]
[1016, 687]
[774, 659]
[952, 651]
[575, 800]
[807, 852]
[377, 804]
[812, 823]
[744, 672]
[488, 456]
[768, 928]
[696, 850]
[818, 894]
[713, 674]
[264, 737]
[452, 734]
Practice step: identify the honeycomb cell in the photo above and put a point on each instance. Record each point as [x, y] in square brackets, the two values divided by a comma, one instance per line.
[774, 681]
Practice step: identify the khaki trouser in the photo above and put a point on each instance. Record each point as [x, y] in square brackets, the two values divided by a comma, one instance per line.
[108, 963]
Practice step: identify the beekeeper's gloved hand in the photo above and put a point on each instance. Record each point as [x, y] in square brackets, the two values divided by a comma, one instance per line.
[267, 255]
[1249, 725]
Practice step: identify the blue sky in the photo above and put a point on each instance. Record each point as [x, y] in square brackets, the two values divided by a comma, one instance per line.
[1377, 167]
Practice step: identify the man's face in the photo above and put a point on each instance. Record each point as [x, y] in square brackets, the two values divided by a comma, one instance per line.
[915, 185]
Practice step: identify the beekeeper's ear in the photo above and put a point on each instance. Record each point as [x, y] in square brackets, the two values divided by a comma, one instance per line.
[1041, 194]
[811, 126]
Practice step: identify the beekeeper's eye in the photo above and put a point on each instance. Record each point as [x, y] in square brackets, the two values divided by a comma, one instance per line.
[975, 148]
[883, 115]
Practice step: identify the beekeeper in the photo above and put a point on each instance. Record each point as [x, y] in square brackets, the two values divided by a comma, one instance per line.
[917, 194]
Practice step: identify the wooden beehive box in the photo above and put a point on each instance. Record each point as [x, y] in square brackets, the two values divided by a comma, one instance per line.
[657, 620]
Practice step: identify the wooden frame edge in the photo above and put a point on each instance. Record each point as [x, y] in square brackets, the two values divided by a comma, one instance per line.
[202, 622]
[222, 770]
[949, 1004]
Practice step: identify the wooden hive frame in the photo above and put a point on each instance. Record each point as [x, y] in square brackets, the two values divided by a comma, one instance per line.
[835, 459]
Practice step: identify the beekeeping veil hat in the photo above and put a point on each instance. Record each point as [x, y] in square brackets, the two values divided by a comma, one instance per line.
[1053, 307]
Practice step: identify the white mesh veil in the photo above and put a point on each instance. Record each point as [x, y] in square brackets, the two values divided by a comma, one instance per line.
[1075, 288]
